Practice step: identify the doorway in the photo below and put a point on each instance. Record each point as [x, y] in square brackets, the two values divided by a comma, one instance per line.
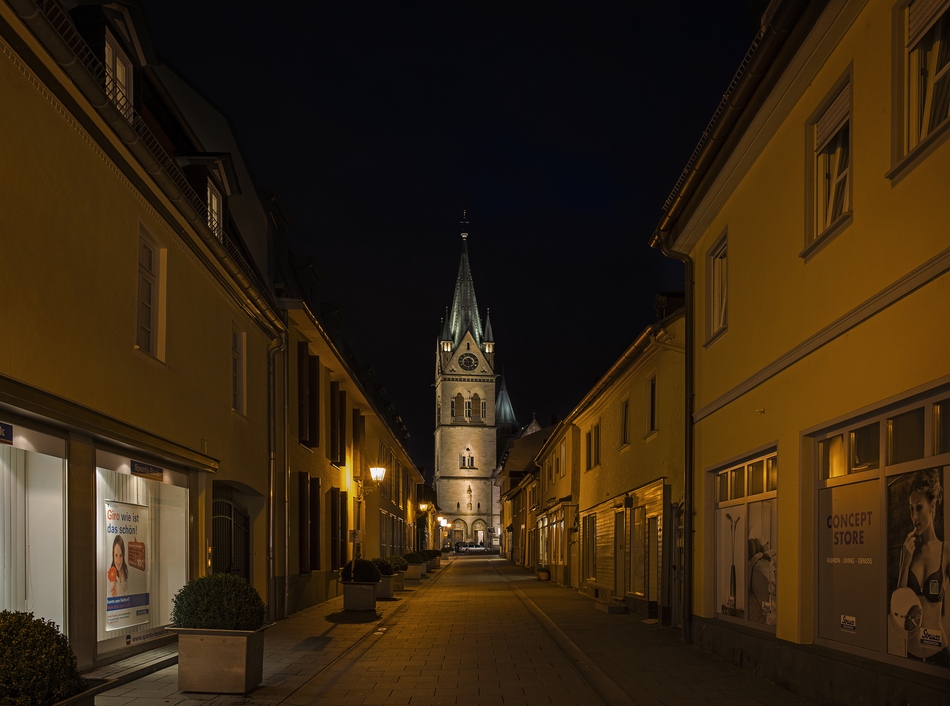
[619, 527]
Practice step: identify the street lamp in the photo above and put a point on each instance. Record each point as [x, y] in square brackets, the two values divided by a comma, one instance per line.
[377, 473]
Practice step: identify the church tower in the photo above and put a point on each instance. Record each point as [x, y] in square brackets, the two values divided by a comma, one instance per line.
[465, 428]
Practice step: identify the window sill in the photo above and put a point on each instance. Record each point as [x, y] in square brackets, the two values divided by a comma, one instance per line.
[650, 435]
[151, 356]
[826, 236]
[716, 336]
[917, 155]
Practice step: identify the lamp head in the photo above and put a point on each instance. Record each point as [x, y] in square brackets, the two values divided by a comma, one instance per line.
[423, 506]
[377, 473]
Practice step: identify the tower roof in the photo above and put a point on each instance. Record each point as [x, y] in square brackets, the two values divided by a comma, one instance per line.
[464, 313]
[504, 412]
[489, 336]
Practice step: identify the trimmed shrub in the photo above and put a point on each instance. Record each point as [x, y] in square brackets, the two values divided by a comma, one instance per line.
[397, 562]
[218, 602]
[385, 568]
[37, 667]
[414, 558]
[364, 571]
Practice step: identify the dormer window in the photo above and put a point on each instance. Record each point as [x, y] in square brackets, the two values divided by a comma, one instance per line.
[118, 76]
[215, 211]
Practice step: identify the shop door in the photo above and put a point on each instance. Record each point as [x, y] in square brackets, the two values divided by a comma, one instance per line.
[619, 527]
[230, 535]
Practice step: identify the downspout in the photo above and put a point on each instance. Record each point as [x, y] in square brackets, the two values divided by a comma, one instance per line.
[659, 242]
[279, 344]
[286, 477]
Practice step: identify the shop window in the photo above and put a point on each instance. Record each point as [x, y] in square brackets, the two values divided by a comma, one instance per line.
[941, 416]
[32, 523]
[639, 551]
[590, 547]
[142, 540]
[832, 455]
[905, 437]
[747, 540]
[865, 448]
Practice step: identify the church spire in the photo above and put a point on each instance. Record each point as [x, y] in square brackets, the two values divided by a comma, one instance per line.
[489, 336]
[504, 412]
[464, 313]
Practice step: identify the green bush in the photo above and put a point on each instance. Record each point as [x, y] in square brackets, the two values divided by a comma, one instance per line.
[385, 568]
[365, 571]
[414, 558]
[397, 562]
[218, 602]
[37, 667]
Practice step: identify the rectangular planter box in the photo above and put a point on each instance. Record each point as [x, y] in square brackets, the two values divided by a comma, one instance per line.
[414, 572]
[359, 595]
[385, 587]
[219, 661]
[398, 583]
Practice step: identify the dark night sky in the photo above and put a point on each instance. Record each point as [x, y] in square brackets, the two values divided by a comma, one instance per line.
[561, 127]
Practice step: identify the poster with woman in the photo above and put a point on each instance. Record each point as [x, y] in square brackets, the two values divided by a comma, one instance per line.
[124, 565]
[918, 567]
[763, 562]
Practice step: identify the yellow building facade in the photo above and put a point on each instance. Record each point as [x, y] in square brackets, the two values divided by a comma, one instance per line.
[813, 217]
[149, 391]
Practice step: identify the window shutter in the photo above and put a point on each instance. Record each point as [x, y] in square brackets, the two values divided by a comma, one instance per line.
[834, 117]
[316, 518]
[313, 398]
[335, 562]
[921, 16]
[303, 521]
[303, 394]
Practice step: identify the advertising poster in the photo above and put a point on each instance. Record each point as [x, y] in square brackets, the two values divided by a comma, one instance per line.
[849, 564]
[763, 562]
[124, 563]
[918, 562]
[730, 541]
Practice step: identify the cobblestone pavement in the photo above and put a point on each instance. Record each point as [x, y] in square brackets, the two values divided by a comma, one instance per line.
[479, 631]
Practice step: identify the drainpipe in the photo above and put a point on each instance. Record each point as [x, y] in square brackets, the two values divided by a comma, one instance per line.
[659, 243]
[278, 345]
[286, 431]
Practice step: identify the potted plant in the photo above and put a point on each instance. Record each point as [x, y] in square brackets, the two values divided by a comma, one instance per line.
[399, 570]
[543, 572]
[219, 619]
[385, 587]
[359, 579]
[416, 566]
[37, 666]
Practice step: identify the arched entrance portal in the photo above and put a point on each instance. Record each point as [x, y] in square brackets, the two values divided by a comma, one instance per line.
[479, 532]
[458, 531]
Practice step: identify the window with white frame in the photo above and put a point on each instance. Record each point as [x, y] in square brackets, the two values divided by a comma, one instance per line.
[832, 178]
[593, 446]
[927, 64]
[118, 70]
[237, 369]
[747, 540]
[717, 289]
[149, 297]
[215, 211]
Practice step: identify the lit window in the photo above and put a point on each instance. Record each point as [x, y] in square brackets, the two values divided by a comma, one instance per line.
[833, 162]
[928, 69]
[215, 211]
[118, 76]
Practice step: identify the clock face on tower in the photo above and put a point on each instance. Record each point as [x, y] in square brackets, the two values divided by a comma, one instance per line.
[467, 361]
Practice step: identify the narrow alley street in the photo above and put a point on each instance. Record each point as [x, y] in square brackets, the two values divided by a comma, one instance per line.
[477, 631]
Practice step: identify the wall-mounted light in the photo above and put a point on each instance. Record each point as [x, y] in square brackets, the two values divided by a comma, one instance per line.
[423, 506]
[377, 473]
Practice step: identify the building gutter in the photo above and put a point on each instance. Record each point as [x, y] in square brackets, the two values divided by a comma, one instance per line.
[777, 24]
[276, 348]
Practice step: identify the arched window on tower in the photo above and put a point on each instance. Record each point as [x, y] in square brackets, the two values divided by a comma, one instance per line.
[458, 405]
[476, 407]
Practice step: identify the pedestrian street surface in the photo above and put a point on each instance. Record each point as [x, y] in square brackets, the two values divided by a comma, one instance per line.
[478, 631]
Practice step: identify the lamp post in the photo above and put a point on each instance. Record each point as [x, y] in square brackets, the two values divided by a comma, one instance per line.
[377, 473]
[423, 510]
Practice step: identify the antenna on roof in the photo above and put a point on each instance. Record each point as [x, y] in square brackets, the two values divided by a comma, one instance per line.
[464, 222]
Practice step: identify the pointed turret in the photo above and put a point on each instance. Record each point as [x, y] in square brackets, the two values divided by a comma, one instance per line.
[504, 412]
[489, 336]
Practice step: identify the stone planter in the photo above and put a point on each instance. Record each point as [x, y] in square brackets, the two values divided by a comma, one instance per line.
[385, 587]
[413, 574]
[430, 566]
[398, 583]
[359, 595]
[543, 575]
[219, 661]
